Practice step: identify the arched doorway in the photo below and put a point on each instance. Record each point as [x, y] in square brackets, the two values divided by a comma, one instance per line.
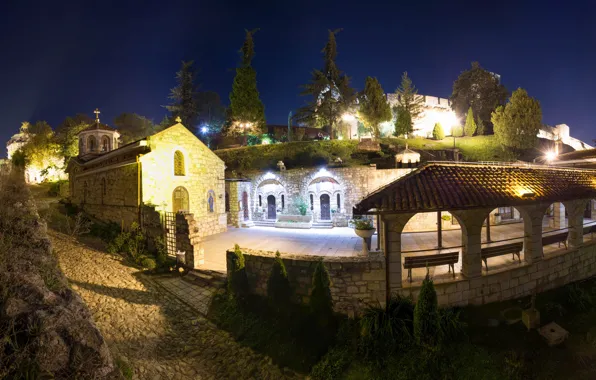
[271, 211]
[325, 207]
[180, 199]
[245, 204]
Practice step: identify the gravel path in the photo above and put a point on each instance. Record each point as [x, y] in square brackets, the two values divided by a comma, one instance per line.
[159, 336]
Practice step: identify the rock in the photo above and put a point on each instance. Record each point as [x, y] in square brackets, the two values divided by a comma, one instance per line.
[15, 307]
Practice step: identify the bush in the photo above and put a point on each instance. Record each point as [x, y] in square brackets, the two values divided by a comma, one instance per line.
[237, 280]
[579, 298]
[300, 205]
[451, 325]
[105, 231]
[457, 131]
[426, 316]
[321, 303]
[54, 189]
[161, 251]
[147, 262]
[332, 365]
[438, 133]
[279, 291]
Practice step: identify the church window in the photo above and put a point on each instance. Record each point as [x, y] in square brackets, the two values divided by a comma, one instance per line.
[179, 163]
[211, 201]
[105, 144]
[180, 200]
[91, 144]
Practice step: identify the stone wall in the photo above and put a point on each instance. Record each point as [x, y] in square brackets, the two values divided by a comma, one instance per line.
[551, 272]
[234, 191]
[355, 281]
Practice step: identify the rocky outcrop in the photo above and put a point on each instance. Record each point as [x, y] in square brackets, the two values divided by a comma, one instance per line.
[45, 328]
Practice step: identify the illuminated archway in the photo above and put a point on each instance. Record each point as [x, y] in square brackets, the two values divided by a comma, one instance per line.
[180, 201]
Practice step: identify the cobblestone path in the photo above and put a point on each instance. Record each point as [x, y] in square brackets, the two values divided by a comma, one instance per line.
[159, 336]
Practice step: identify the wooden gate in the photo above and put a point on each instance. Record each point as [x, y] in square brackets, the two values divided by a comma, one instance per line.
[169, 223]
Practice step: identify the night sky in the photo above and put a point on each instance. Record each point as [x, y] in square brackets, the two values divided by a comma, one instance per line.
[59, 58]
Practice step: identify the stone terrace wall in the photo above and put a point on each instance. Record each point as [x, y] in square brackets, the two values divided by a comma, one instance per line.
[549, 273]
[355, 281]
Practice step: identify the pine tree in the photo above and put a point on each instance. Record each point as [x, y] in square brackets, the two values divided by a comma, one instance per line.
[426, 315]
[330, 92]
[517, 124]
[470, 126]
[247, 112]
[438, 133]
[409, 98]
[480, 130]
[279, 290]
[374, 108]
[403, 123]
[184, 96]
[321, 303]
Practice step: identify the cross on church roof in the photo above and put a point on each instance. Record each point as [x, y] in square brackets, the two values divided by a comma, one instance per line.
[96, 112]
[178, 119]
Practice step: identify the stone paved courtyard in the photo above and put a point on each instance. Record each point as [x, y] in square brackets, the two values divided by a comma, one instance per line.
[159, 336]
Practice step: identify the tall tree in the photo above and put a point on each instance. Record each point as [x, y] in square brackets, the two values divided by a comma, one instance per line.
[247, 112]
[330, 92]
[470, 126]
[374, 108]
[67, 134]
[517, 124]
[184, 96]
[212, 115]
[479, 89]
[42, 151]
[133, 127]
[403, 122]
[409, 98]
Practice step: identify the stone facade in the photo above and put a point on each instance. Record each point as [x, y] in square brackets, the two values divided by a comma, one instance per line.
[355, 281]
[115, 185]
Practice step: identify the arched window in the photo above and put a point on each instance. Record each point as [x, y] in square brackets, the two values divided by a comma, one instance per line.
[91, 144]
[338, 202]
[211, 201]
[312, 202]
[179, 163]
[283, 203]
[105, 144]
[180, 199]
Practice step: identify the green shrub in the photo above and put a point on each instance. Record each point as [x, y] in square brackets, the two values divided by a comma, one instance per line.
[120, 243]
[457, 131]
[161, 251]
[321, 303]
[54, 189]
[300, 205]
[279, 290]
[451, 325]
[579, 298]
[125, 369]
[105, 231]
[332, 365]
[438, 133]
[237, 280]
[147, 262]
[426, 315]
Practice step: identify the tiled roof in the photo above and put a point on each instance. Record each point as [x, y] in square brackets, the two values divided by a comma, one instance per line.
[99, 126]
[451, 186]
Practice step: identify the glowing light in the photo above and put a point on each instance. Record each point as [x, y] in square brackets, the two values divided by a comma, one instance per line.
[348, 117]
[550, 156]
[204, 129]
[340, 137]
[447, 119]
[524, 192]
[266, 141]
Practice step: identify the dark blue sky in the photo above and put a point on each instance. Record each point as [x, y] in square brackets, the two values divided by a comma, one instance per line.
[65, 57]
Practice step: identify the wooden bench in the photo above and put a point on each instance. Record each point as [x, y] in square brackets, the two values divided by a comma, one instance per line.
[449, 258]
[500, 250]
[590, 230]
[556, 238]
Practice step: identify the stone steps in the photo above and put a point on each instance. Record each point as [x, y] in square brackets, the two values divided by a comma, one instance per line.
[323, 225]
[264, 223]
[205, 277]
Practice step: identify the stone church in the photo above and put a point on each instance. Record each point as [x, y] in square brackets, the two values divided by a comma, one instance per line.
[171, 171]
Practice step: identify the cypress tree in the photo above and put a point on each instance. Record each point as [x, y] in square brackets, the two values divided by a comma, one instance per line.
[426, 315]
[246, 109]
[279, 290]
[237, 280]
[438, 133]
[321, 303]
[470, 127]
[374, 108]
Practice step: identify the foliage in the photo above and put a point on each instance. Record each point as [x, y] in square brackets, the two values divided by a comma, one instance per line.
[374, 108]
[42, 151]
[363, 224]
[134, 245]
[320, 302]
[54, 189]
[67, 134]
[279, 290]
[330, 92]
[426, 315]
[78, 225]
[237, 280]
[451, 326]
[161, 251]
[479, 89]
[125, 368]
[19, 159]
[332, 365]
[148, 262]
[247, 112]
[438, 133]
[579, 298]
[403, 122]
[480, 130]
[383, 330]
[457, 131]
[211, 114]
[133, 127]
[470, 126]
[300, 205]
[184, 96]
[517, 124]
[409, 100]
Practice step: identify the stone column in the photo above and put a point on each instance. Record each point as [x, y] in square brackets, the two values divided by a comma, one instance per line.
[575, 211]
[471, 222]
[533, 216]
[392, 226]
[593, 209]
[559, 215]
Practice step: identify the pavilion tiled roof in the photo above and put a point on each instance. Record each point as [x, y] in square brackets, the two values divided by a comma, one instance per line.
[453, 186]
[98, 126]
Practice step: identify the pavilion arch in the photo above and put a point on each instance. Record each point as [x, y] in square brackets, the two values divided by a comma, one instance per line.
[105, 143]
[323, 192]
[270, 185]
[91, 144]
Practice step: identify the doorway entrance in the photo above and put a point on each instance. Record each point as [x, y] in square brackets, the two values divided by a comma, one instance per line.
[325, 207]
[245, 205]
[271, 211]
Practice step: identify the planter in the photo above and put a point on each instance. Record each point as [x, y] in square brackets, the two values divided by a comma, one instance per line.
[365, 234]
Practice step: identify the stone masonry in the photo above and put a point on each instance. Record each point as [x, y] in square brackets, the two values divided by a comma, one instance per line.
[355, 281]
